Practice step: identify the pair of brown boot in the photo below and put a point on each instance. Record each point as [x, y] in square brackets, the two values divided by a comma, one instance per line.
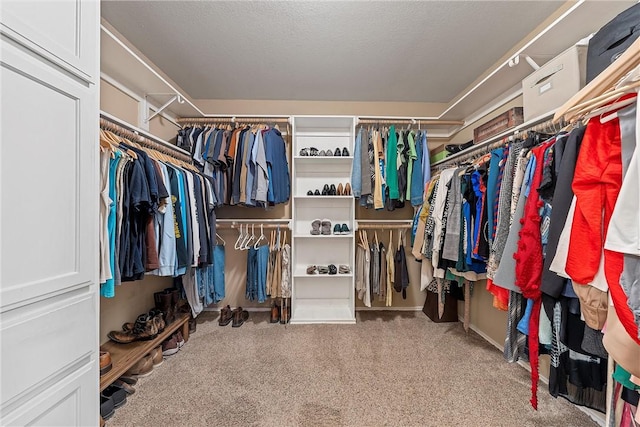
[282, 313]
[146, 327]
[236, 317]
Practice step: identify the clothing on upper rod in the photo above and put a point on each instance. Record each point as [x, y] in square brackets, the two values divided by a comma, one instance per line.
[157, 218]
[390, 167]
[248, 164]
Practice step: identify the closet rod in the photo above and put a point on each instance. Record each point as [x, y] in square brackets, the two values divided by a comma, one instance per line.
[126, 129]
[143, 141]
[382, 226]
[253, 220]
[234, 119]
[407, 120]
[538, 124]
[255, 224]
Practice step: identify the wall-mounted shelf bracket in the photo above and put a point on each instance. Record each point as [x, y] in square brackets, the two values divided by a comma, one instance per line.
[516, 60]
[174, 97]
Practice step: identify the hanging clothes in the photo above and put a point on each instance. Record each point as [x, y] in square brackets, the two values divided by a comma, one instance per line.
[247, 165]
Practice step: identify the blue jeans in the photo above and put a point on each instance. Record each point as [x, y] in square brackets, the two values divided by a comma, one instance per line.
[218, 273]
[257, 260]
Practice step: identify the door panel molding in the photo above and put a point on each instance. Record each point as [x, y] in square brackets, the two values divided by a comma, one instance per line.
[73, 55]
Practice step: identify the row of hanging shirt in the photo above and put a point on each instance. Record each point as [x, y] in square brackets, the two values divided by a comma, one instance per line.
[268, 264]
[248, 164]
[156, 217]
[543, 219]
[380, 270]
[390, 168]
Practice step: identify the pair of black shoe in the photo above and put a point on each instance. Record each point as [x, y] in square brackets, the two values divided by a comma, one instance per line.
[324, 153]
[326, 191]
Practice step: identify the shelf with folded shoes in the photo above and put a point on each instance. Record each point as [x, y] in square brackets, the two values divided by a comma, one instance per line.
[125, 356]
[323, 270]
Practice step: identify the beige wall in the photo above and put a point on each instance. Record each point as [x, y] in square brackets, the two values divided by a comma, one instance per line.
[272, 107]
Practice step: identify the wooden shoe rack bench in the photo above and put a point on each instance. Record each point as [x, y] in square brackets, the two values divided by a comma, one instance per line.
[124, 356]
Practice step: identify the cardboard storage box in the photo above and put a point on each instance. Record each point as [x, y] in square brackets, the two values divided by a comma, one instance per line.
[499, 124]
[555, 82]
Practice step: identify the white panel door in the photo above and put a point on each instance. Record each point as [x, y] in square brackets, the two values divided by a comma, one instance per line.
[48, 213]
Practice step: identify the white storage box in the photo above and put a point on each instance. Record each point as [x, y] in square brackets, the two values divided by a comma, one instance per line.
[555, 82]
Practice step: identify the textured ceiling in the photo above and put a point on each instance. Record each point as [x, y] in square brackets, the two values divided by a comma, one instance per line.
[426, 51]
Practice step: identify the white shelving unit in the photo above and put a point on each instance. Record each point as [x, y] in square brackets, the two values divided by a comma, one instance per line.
[322, 298]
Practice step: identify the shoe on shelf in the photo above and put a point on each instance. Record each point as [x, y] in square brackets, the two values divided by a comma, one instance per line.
[310, 193]
[116, 393]
[107, 408]
[170, 346]
[144, 328]
[337, 153]
[328, 153]
[322, 153]
[105, 362]
[179, 339]
[239, 317]
[347, 189]
[325, 190]
[326, 227]
[332, 269]
[156, 356]
[344, 229]
[323, 269]
[332, 190]
[315, 227]
[312, 269]
[125, 386]
[345, 152]
[316, 193]
[313, 151]
[275, 313]
[155, 314]
[452, 148]
[226, 314]
[337, 229]
[344, 269]
[142, 368]
[340, 190]
[304, 152]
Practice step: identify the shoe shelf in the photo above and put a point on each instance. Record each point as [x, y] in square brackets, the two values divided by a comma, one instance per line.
[323, 197]
[322, 298]
[322, 236]
[329, 311]
[301, 271]
[124, 356]
[321, 160]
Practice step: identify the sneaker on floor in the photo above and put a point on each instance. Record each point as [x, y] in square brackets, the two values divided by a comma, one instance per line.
[170, 346]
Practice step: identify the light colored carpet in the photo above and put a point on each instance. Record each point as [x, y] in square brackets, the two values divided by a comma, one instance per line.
[391, 368]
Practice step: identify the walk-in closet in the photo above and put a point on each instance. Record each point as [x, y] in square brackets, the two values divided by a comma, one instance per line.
[319, 213]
